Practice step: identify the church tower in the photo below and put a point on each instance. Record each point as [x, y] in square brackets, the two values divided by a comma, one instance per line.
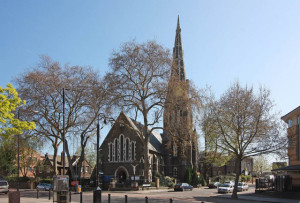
[179, 138]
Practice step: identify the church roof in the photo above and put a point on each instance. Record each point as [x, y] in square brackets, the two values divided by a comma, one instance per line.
[155, 143]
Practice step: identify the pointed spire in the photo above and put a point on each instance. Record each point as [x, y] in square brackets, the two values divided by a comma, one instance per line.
[178, 23]
[178, 53]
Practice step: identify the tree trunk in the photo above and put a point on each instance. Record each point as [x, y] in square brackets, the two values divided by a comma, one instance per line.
[191, 155]
[237, 176]
[55, 159]
[71, 168]
[146, 164]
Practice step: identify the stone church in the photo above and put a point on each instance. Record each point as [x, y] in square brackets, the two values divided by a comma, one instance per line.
[171, 152]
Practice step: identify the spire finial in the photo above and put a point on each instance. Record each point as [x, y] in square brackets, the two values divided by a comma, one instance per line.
[178, 24]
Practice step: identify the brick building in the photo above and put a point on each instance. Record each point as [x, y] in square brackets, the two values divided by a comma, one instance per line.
[289, 177]
[122, 152]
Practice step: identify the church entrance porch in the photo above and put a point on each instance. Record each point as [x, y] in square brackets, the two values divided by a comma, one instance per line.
[122, 176]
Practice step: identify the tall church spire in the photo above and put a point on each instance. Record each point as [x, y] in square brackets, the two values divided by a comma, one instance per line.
[178, 61]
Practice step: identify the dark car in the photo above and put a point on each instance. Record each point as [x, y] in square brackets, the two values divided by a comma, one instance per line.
[44, 186]
[183, 187]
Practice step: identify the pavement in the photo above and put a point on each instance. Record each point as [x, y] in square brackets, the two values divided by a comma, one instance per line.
[250, 197]
[255, 198]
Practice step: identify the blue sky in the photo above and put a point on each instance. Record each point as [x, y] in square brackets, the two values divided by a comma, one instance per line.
[256, 42]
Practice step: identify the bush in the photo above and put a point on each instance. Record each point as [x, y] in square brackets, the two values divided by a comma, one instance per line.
[202, 181]
[223, 178]
[244, 178]
[46, 180]
[167, 181]
[15, 179]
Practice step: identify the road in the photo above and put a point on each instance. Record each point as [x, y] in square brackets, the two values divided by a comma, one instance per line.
[154, 196]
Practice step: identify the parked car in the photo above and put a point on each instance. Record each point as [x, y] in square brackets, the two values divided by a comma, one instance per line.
[214, 184]
[229, 182]
[225, 188]
[44, 186]
[4, 186]
[183, 187]
[242, 187]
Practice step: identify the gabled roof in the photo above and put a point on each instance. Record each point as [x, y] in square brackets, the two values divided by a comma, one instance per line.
[286, 117]
[155, 137]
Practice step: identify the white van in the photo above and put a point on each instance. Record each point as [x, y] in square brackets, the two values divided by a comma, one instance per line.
[4, 186]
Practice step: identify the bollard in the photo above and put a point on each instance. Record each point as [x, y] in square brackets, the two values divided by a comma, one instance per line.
[97, 195]
[171, 200]
[125, 198]
[80, 197]
[108, 198]
[70, 196]
[146, 199]
[49, 194]
[37, 193]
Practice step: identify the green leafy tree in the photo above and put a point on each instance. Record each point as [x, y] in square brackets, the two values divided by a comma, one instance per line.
[7, 158]
[188, 175]
[9, 124]
[276, 165]
[195, 179]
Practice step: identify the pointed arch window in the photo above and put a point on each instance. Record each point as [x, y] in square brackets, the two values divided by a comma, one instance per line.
[175, 171]
[110, 152]
[127, 150]
[132, 151]
[121, 148]
[116, 149]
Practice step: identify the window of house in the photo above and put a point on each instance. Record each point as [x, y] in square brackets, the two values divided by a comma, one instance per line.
[82, 169]
[87, 169]
[290, 123]
[290, 142]
[48, 169]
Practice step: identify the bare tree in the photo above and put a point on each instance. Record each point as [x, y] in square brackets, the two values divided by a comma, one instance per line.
[138, 81]
[42, 88]
[243, 124]
[261, 164]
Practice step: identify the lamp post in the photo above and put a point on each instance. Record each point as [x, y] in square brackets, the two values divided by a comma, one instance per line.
[97, 192]
[63, 134]
[97, 155]
[18, 184]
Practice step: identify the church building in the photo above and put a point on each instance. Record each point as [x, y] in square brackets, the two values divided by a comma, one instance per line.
[171, 152]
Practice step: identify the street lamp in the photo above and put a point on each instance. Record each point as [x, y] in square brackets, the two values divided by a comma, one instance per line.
[97, 192]
[98, 141]
[63, 134]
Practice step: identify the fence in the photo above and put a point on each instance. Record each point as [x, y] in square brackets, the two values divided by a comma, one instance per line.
[264, 184]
